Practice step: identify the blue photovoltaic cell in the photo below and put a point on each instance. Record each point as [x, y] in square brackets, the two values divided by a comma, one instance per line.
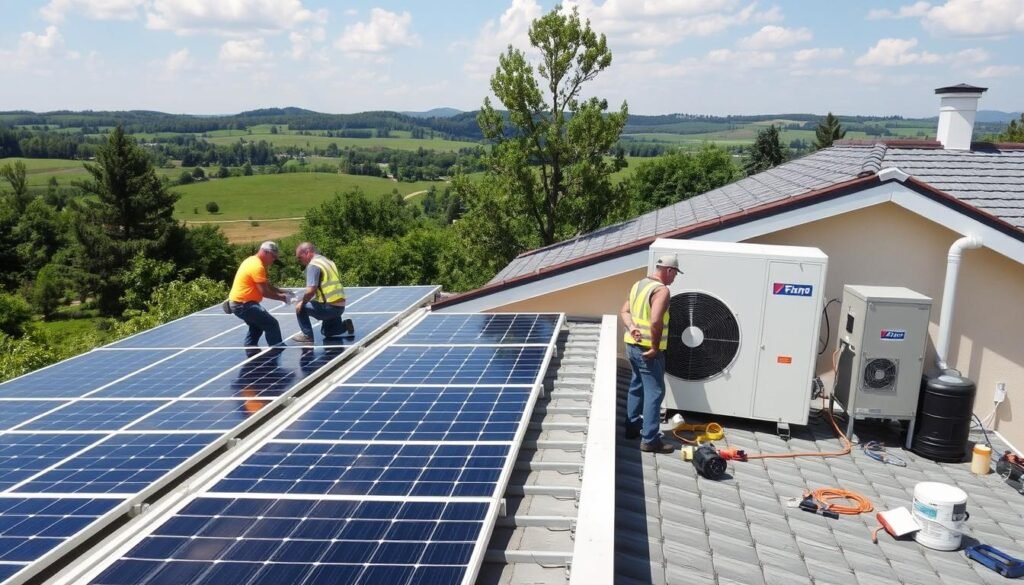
[22, 456]
[32, 527]
[352, 294]
[124, 463]
[176, 376]
[182, 333]
[94, 415]
[81, 374]
[364, 324]
[369, 469]
[200, 415]
[305, 542]
[416, 413]
[452, 365]
[389, 299]
[270, 374]
[16, 412]
[440, 328]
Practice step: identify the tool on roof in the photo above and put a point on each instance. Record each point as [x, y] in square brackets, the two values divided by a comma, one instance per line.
[1011, 467]
[823, 501]
[898, 522]
[996, 560]
[708, 462]
[711, 431]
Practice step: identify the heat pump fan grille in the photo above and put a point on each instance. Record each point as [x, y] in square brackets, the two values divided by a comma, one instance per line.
[704, 336]
[880, 374]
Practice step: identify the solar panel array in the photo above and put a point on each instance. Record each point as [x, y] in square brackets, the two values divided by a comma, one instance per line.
[84, 439]
[393, 476]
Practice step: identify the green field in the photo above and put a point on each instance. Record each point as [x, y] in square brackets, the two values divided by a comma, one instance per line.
[277, 196]
[298, 140]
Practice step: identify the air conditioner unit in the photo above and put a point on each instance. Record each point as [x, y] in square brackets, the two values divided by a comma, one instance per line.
[743, 329]
[883, 333]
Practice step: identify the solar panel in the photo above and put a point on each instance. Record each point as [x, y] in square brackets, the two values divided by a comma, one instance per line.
[93, 415]
[413, 413]
[445, 365]
[116, 424]
[215, 540]
[483, 329]
[80, 375]
[392, 476]
[17, 412]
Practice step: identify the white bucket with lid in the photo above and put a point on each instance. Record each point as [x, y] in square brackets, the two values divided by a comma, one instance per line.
[940, 510]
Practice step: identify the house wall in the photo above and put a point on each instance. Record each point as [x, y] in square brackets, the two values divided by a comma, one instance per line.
[888, 245]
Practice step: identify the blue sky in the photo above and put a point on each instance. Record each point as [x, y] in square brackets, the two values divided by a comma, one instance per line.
[693, 56]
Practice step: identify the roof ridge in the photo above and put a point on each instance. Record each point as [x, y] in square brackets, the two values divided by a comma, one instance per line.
[873, 163]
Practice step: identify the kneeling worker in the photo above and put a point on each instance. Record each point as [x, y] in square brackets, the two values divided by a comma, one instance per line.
[250, 286]
[324, 297]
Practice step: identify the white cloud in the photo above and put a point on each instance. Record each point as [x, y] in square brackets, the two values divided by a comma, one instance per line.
[775, 37]
[976, 18]
[55, 10]
[819, 54]
[34, 51]
[304, 42]
[243, 53]
[910, 11]
[895, 52]
[740, 59]
[177, 63]
[968, 57]
[998, 71]
[495, 36]
[384, 31]
[228, 17]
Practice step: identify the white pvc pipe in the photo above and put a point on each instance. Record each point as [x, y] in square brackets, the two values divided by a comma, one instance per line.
[949, 297]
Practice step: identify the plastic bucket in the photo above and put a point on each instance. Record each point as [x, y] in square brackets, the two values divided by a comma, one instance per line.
[940, 510]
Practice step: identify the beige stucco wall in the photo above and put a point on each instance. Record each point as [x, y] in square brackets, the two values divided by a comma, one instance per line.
[887, 245]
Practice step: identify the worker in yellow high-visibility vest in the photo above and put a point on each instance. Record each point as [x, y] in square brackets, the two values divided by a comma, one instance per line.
[323, 299]
[645, 315]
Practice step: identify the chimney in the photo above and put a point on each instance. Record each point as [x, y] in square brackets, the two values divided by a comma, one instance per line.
[957, 109]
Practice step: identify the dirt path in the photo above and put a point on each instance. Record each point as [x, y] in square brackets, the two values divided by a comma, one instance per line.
[247, 220]
[413, 194]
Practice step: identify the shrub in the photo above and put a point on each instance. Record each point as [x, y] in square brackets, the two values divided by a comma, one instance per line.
[15, 312]
[212, 207]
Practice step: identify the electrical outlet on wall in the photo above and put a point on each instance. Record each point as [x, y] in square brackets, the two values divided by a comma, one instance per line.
[1000, 394]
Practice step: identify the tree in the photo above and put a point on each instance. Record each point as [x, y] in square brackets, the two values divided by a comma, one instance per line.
[548, 169]
[48, 289]
[14, 314]
[130, 213]
[212, 207]
[247, 169]
[223, 172]
[16, 175]
[199, 174]
[828, 131]
[1014, 132]
[678, 176]
[766, 152]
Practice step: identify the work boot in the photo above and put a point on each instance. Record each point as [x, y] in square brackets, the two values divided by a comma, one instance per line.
[656, 446]
[350, 327]
[301, 338]
[632, 431]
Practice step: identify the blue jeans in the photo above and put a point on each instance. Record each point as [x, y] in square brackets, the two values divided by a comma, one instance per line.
[330, 315]
[259, 321]
[646, 391]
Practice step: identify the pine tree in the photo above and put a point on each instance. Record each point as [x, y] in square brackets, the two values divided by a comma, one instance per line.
[766, 153]
[828, 131]
[131, 213]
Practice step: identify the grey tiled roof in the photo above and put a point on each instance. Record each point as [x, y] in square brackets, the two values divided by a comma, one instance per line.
[673, 526]
[991, 180]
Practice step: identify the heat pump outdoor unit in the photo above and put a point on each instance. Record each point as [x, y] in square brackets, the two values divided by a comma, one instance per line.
[883, 332]
[743, 328]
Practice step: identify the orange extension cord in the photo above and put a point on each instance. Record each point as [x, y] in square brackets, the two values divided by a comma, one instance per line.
[847, 445]
[827, 495]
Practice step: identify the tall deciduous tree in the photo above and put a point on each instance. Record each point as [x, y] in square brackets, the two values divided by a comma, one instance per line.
[828, 131]
[16, 174]
[130, 214]
[766, 153]
[549, 166]
[1014, 132]
[677, 176]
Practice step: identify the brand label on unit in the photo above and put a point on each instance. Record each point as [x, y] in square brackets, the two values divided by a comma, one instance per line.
[894, 334]
[791, 290]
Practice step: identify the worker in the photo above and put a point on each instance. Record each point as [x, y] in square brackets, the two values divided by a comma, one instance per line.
[250, 286]
[324, 297]
[645, 315]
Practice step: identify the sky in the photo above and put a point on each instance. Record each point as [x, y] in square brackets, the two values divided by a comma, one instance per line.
[718, 57]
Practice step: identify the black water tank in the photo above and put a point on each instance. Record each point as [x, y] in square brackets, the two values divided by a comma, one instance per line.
[944, 417]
